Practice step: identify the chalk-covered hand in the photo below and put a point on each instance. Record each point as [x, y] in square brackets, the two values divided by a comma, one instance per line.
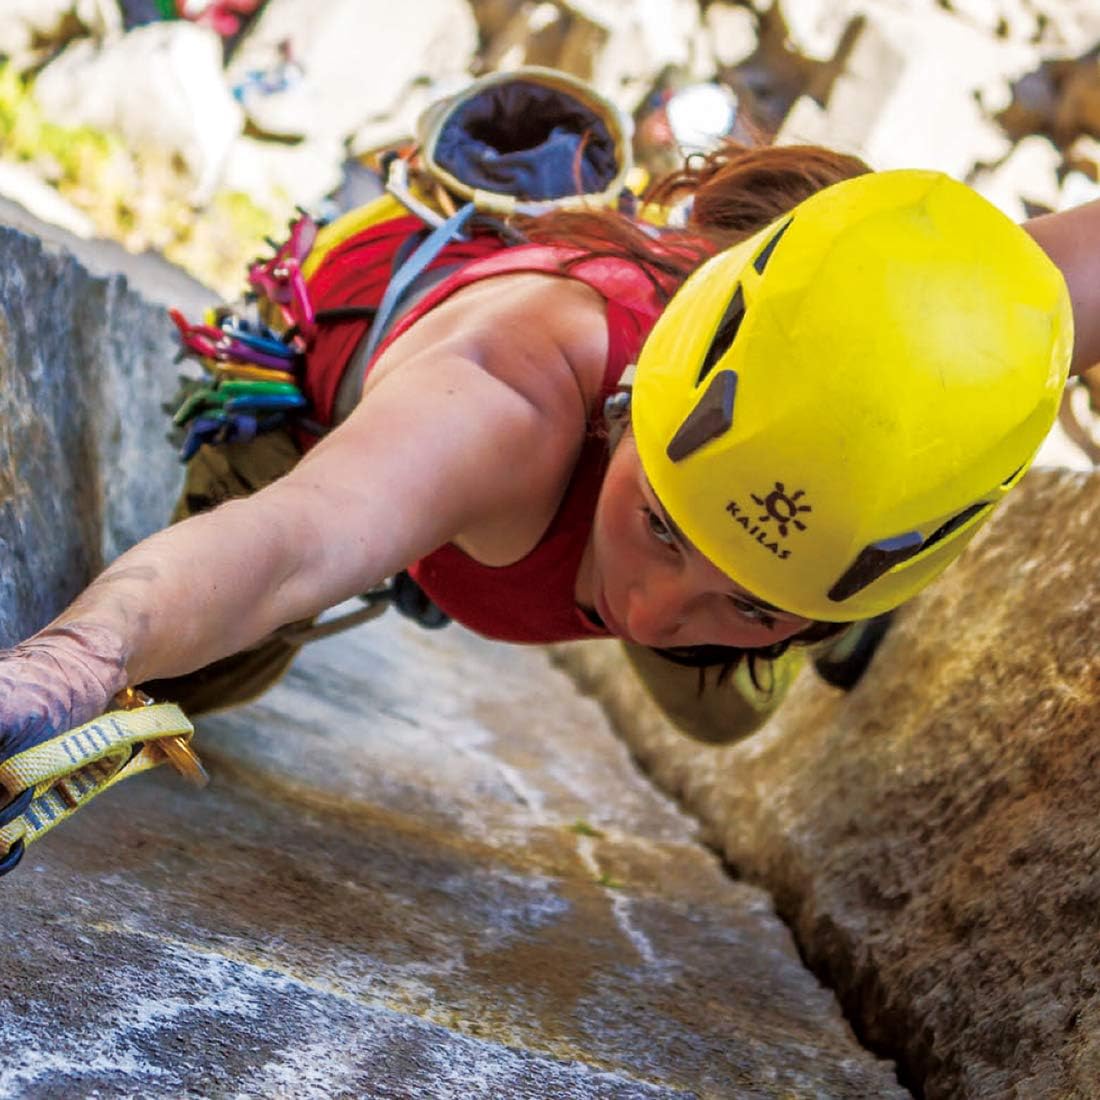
[62, 677]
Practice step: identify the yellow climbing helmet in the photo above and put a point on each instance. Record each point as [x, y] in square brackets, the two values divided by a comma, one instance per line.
[830, 409]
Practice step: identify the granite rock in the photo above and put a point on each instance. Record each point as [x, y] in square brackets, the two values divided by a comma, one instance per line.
[425, 867]
[85, 364]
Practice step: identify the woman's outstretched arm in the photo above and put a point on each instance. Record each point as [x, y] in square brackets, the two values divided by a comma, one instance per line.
[445, 442]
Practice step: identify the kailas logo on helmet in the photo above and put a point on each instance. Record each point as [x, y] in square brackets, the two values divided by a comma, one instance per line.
[781, 512]
[782, 508]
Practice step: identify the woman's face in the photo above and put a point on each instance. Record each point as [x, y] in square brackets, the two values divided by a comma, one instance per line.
[651, 586]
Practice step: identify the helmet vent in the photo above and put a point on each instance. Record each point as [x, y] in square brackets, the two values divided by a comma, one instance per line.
[873, 561]
[724, 335]
[880, 557]
[953, 524]
[765, 255]
[711, 417]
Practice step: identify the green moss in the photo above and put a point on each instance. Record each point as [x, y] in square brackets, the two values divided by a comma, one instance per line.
[26, 136]
[139, 197]
[248, 219]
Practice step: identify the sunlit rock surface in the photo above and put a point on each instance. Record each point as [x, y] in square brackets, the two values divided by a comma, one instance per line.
[933, 837]
[425, 868]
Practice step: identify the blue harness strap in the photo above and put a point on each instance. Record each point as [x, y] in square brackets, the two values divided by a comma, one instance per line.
[411, 269]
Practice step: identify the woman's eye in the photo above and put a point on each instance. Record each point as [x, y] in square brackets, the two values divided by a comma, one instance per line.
[751, 611]
[658, 528]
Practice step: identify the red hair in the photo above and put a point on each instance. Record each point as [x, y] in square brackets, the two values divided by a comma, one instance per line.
[734, 192]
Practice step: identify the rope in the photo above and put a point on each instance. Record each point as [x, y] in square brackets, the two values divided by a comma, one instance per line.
[51, 781]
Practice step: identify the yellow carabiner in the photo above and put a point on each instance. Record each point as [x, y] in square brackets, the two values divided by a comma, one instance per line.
[177, 750]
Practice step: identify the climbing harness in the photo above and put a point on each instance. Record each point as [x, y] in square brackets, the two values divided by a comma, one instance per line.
[51, 781]
[252, 385]
[253, 371]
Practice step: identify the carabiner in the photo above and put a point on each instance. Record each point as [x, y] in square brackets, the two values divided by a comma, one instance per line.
[16, 806]
[12, 857]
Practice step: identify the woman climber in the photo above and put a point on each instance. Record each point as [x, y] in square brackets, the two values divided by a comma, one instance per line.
[839, 374]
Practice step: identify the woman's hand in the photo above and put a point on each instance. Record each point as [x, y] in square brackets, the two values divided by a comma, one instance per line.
[63, 677]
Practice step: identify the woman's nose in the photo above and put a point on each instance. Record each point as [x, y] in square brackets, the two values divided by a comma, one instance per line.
[657, 610]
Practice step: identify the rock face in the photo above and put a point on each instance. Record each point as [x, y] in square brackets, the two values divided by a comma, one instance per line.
[425, 869]
[932, 836]
[891, 92]
[85, 364]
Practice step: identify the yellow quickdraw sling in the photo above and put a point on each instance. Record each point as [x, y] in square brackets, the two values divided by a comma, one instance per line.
[48, 783]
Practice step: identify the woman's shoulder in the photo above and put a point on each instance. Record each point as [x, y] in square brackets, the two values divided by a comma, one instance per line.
[542, 334]
[506, 373]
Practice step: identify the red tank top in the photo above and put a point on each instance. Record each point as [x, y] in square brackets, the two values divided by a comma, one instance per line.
[531, 600]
